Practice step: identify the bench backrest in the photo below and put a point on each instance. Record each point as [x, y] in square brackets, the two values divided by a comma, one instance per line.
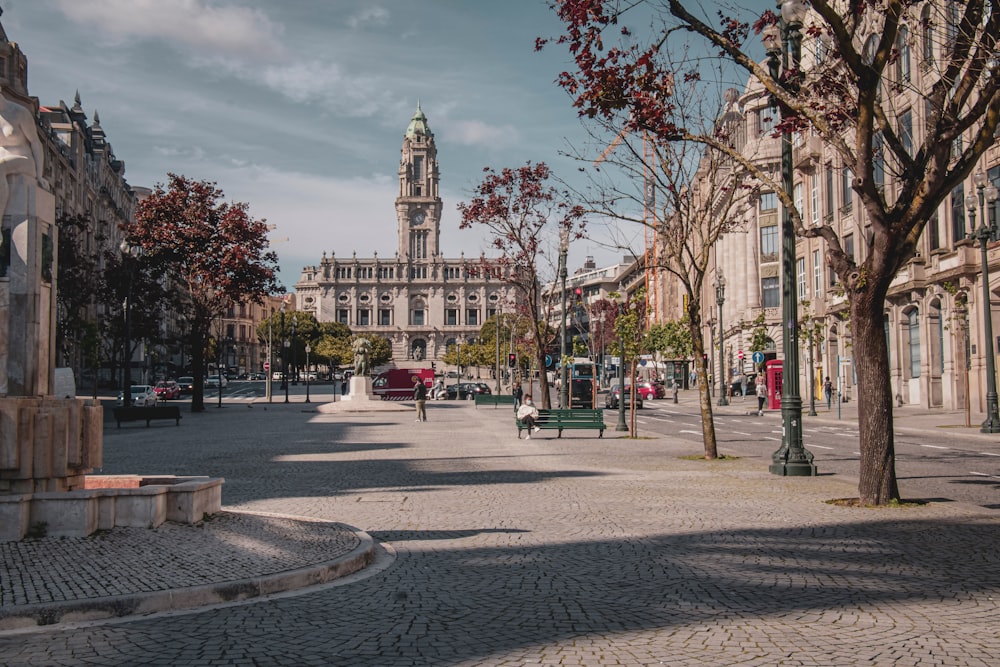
[580, 414]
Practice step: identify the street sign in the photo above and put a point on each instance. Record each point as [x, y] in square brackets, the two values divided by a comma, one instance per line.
[758, 357]
[739, 355]
[267, 365]
[642, 362]
[548, 361]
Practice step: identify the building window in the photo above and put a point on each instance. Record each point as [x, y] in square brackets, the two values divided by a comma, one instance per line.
[797, 199]
[385, 317]
[364, 317]
[848, 191]
[927, 26]
[958, 213]
[817, 274]
[771, 290]
[767, 119]
[418, 167]
[849, 246]
[800, 266]
[451, 317]
[491, 312]
[769, 243]
[768, 202]
[472, 317]
[903, 55]
[417, 317]
[914, 335]
[814, 200]
[878, 161]
[829, 190]
[343, 316]
[906, 131]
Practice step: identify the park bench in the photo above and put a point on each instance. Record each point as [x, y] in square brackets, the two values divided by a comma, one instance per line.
[560, 420]
[147, 414]
[494, 399]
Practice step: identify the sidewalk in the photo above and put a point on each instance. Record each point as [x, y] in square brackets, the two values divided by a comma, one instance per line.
[238, 555]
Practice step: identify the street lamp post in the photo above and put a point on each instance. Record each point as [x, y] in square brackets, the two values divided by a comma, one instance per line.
[308, 350]
[985, 234]
[621, 425]
[812, 369]
[782, 40]
[720, 298]
[129, 252]
[564, 375]
[295, 370]
[270, 360]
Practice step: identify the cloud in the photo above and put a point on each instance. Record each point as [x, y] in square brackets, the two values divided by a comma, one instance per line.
[474, 132]
[208, 31]
[368, 16]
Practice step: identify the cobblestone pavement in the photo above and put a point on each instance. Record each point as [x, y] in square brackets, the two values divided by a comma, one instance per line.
[579, 551]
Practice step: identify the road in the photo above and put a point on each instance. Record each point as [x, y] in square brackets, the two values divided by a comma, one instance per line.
[930, 463]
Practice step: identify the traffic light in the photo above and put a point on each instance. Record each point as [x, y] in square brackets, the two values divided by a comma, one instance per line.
[512, 360]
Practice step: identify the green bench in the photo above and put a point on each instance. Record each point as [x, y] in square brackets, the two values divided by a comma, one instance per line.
[147, 414]
[494, 399]
[560, 420]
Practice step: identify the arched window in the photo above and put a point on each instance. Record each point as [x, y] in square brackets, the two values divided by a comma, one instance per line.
[903, 55]
[927, 41]
[913, 329]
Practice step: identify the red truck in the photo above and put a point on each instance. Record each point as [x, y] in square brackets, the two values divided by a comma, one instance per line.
[396, 384]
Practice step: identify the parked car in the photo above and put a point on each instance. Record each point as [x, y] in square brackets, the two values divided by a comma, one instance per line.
[167, 390]
[611, 401]
[581, 393]
[212, 381]
[186, 384]
[257, 376]
[649, 390]
[467, 390]
[140, 396]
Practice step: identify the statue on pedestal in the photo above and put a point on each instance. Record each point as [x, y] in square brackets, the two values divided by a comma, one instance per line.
[361, 348]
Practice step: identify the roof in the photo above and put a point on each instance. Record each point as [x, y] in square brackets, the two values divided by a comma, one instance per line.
[418, 125]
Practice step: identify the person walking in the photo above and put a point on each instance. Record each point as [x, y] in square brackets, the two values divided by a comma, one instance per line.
[828, 392]
[518, 395]
[761, 397]
[528, 413]
[743, 386]
[420, 396]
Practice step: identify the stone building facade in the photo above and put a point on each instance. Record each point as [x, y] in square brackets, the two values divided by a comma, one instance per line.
[420, 301]
[934, 312]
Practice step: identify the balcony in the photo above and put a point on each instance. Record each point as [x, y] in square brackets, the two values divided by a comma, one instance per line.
[808, 154]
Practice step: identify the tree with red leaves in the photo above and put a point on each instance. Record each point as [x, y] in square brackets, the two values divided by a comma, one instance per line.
[852, 99]
[213, 253]
[520, 210]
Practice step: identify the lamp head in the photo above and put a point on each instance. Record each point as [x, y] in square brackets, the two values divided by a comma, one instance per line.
[771, 36]
[793, 11]
[991, 193]
[979, 178]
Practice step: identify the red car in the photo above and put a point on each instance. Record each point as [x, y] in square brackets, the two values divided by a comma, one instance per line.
[650, 390]
[167, 390]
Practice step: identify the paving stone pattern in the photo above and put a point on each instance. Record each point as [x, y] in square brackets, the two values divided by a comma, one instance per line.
[576, 551]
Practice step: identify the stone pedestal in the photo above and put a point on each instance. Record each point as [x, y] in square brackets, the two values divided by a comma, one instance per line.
[27, 297]
[362, 399]
[361, 390]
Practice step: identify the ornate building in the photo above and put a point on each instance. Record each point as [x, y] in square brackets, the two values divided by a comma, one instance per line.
[420, 301]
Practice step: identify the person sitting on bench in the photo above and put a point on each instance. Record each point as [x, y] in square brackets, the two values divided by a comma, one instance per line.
[528, 413]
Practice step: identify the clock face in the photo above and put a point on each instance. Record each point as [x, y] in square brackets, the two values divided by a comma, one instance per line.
[418, 218]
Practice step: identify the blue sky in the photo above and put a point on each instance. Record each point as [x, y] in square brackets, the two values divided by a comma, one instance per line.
[299, 107]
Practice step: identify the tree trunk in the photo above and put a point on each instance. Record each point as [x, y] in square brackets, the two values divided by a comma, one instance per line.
[704, 398]
[877, 479]
[198, 370]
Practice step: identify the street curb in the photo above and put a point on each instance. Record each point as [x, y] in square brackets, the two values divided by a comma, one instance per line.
[51, 613]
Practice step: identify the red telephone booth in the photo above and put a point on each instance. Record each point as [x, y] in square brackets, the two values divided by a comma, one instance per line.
[772, 373]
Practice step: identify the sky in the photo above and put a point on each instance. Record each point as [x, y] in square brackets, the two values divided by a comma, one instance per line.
[298, 108]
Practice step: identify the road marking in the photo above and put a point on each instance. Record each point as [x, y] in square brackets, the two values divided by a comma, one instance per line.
[695, 432]
[934, 447]
[741, 433]
[812, 446]
[767, 437]
[983, 474]
[988, 454]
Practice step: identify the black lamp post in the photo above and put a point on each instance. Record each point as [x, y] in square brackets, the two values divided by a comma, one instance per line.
[812, 369]
[129, 253]
[295, 372]
[985, 234]
[621, 425]
[720, 298]
[563, 369]
[780, 41]
[308, 350]
[284, 354]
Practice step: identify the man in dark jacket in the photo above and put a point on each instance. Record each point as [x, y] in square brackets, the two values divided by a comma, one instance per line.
[420, 396]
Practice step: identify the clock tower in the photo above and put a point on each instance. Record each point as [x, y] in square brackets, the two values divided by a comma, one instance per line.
[418, 206]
